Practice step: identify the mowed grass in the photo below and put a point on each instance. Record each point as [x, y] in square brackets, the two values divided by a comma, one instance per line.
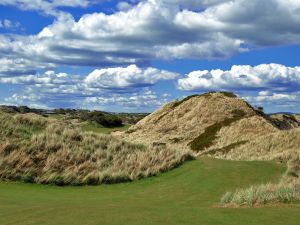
[103, 130]
[186, 195]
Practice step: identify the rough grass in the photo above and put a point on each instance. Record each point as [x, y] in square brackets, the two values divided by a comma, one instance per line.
[20, 126]
[287, 191]
[263, 194]
[36, 150]
[279, 145]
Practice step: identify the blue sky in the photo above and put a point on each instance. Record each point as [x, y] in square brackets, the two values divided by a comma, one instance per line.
[134, 56]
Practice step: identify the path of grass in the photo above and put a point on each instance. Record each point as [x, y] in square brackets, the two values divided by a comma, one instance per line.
[184, 196]
[104, 130]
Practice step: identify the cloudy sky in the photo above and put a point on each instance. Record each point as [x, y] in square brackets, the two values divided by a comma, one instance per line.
[136, 55]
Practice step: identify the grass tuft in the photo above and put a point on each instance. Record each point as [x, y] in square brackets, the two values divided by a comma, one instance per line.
[287, 191]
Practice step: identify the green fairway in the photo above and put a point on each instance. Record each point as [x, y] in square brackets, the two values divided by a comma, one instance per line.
[104, 130]
[186, 195]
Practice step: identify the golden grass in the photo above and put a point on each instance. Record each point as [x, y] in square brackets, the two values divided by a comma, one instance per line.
[181, 122]
[36, 149]
[280, 145]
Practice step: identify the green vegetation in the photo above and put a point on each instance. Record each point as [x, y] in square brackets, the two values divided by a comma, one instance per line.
[287, 191]
[19, 109]
[104, 130]
[264, 194]
[101, 118]
[19, 127]
[49, 151]
[187, 195]
[207, 138]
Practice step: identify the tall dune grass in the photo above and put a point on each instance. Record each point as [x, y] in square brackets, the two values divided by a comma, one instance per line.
[61, 154]
[287, 191]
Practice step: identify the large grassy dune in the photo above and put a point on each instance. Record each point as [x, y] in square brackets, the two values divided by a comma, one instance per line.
[187, 195]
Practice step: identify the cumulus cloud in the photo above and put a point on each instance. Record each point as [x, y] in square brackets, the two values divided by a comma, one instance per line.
[49, 7]
[161, 29]
[276, 101]
[143, 101]
[275, 97]
[48, 78]
[126, 77]
[143, 31]
[20, 66]
[123, 6]
[155, 29]
[265, 76]
[122, 86]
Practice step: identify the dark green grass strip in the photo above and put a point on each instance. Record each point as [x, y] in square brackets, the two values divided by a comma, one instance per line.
[206, 139]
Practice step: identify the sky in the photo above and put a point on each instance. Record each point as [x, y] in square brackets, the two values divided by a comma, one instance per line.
[137, 55]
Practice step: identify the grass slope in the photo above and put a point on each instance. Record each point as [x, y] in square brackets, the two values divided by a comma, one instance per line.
[34, 149]
[187, 195]
[103, 130]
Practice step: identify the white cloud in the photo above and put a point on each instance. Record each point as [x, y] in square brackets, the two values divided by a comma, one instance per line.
[9, 25]
[266, 76]
[126, 87]
[49, 7]
[20, 66]
[159, 29]
[276, 101]
[276, 97]
[123, 6]
[125, 77]
[48, 78]
[145, 100]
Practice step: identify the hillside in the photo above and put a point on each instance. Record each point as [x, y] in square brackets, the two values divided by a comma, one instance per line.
[203, 121]
[36, 149]
[223, 126]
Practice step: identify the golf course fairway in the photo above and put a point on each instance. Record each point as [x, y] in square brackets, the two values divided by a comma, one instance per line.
[186, 195]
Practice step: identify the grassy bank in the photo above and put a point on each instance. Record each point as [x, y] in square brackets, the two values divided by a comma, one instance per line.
[186, 195]
[34, 149]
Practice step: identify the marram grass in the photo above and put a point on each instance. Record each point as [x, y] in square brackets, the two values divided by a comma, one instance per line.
[37, 150]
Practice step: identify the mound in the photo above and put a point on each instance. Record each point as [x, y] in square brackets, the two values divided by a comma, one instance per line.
[201, 122]
[41, 150]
